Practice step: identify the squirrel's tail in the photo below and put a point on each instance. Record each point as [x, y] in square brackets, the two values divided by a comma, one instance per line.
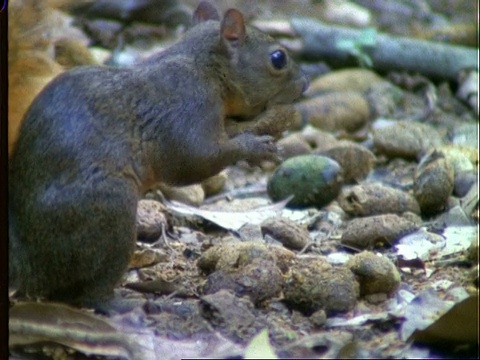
[34, 29]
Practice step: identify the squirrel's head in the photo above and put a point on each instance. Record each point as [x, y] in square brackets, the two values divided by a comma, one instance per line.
[255, 69]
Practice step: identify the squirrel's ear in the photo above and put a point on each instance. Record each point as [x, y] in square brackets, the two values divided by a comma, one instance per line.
[233, 27]
[205, 11]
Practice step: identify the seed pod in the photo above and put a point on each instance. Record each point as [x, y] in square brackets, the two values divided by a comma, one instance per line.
[314, 180]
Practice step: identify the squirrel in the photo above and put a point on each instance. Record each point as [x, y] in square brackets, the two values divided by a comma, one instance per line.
[96, 138]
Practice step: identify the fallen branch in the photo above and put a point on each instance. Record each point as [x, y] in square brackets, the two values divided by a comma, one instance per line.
[385, 52]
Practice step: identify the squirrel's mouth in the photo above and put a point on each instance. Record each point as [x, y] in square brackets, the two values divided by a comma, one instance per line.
[287, 96]
[292, 93]
[284, 96]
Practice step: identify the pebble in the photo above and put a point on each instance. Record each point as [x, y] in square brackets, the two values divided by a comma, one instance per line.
[214, 184]
[259, 280]
[313, 284]
[354, 79]
[356, 160]
[151, 220]
[374, 199]
[232, 315]
[375, 231]
[232, 255]
[288, 232]
[406, 139]
[318, 139]
[433, 183]
[190, 195]
[375, 273]
[293, 145]
[340, 110]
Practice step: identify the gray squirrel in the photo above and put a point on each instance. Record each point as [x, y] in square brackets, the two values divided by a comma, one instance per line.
[96, 138]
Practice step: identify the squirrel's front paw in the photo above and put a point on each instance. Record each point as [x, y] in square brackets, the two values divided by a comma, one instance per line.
[258, 148]
[273, 121]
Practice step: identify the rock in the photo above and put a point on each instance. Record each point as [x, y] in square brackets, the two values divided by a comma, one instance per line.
[464, 163]
[190, 195]
[472, 252]
[233, 255]
[214, 184]
[466, 135]
[346, 13]
[354, 79]
[318, 318]
[288, 232]
[374, 199]
[468, 89]
[319, 139]
[374, 231]
[433, 183]
[463, 182]
[231, 315]
[384, 99]
[348, 111]
[293, 145]
[146, 257]
[157, 286]
[260, 280]
[356, 160]
[313, 284]
[406, 139]
[151, 220]
[375, 273]
[460, 157]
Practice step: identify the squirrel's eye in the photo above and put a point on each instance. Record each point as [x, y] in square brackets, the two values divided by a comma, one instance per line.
[278, 59]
